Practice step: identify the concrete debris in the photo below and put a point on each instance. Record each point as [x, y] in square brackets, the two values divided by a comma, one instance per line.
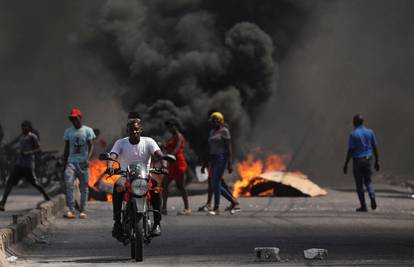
[12, 259]
[267, 254]
[316, 253]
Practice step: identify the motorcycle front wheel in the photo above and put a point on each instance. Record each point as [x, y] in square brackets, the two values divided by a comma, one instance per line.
[137, 244]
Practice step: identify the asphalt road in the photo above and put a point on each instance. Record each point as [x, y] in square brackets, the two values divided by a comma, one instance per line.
[381, 238]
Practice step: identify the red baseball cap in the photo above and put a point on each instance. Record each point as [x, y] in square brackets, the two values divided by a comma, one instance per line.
[75, 112]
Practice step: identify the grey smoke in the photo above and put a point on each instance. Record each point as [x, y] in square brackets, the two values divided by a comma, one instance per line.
[184, 58]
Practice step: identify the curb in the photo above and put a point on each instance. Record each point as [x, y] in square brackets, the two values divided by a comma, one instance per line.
[14, 233]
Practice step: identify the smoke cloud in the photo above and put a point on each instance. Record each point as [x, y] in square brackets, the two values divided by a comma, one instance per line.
[184, 58]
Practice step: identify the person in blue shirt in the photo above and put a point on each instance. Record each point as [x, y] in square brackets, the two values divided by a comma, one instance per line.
[362, 145]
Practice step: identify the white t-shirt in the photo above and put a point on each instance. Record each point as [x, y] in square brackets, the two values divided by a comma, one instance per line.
[129, 153]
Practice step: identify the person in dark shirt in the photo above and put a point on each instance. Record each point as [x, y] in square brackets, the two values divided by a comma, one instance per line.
[25, 164]
[362, 144]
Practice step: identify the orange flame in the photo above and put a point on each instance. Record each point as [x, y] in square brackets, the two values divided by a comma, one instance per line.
[250, 169]
[97, 174]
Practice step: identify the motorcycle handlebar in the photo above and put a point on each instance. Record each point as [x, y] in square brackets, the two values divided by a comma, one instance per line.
[158, 171]
[151, 170]
[115, 172]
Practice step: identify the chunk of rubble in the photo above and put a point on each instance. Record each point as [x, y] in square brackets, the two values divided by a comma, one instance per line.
[315, 253]
[267, 254]
[12, 259]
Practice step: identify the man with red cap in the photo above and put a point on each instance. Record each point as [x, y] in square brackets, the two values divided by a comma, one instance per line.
[78, 151]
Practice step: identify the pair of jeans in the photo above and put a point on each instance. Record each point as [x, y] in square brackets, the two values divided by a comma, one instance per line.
[218, 163]
[362, 169]
[80, 171]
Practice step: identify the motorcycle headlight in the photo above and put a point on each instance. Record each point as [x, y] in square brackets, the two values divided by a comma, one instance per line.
[139, 187]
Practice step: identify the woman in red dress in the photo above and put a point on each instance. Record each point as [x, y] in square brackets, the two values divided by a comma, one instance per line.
[176, 170]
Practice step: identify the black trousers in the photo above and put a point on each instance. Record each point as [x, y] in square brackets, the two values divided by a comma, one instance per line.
[117, 204]
[18, 173]
[362, 168]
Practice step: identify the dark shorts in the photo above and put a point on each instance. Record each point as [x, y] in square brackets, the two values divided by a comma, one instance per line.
[23, 172]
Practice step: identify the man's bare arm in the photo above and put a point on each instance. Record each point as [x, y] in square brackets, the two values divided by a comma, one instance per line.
[110, 163]
[90, 149]
[347, 159]
[66, 152]
[376, 164]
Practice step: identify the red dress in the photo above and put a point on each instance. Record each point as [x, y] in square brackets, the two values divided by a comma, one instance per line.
[177, 169]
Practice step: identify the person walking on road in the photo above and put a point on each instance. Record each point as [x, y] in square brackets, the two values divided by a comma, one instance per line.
[362, 144]
[225, 190]
[25, 165]
[176, 170]
[220, 157]
[78, 151]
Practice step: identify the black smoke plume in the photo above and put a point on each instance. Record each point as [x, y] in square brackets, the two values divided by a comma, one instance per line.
[183, 58]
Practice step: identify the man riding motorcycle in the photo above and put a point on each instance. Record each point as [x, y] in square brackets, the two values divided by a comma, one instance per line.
[134, 148]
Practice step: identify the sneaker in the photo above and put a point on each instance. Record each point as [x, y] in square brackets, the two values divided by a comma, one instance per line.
[362, 209]
[373, 204]
[184, 212]
[236, 208]
[156, 230]
[233, 207]
[117, 231]
[83, 215]
[69, 215]
[213, 212]
[205, 207]
[1, 207]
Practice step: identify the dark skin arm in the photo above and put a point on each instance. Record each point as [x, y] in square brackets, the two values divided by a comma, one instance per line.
[205, 163]
[13, 142]
[376, 164]
[110, 163]
[90, 150]
[66, 153]
[157, 156]
[230, 151]
[347, 159]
